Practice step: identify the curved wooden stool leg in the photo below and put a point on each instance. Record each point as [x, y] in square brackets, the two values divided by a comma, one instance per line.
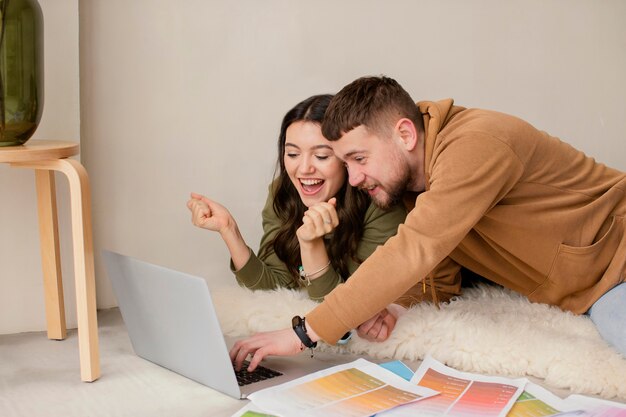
[50, 258]
[80, 197]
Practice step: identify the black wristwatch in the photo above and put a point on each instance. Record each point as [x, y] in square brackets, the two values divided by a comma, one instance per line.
[300, 328]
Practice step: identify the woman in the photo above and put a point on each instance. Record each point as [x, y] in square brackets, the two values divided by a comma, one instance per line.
[317, 228]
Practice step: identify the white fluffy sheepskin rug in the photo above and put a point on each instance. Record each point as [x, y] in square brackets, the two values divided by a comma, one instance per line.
[488, 330]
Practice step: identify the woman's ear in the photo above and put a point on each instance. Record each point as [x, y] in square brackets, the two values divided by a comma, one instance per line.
[406, 131]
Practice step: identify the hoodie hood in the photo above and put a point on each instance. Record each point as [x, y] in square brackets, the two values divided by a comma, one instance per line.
[436, 114]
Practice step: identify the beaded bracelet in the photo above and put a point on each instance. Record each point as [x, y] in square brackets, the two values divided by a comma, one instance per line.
[307, 277]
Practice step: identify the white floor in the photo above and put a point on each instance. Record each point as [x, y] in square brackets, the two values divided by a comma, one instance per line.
[40, 377]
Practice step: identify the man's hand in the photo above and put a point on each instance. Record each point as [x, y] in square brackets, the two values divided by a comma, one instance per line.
[281, 342]
[379, 327]
[319, 220]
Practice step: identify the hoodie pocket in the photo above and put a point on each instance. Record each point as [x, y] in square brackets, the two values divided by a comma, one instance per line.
[578, 268]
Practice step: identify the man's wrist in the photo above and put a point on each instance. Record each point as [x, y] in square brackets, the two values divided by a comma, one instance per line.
[301, 329]
[312, 334]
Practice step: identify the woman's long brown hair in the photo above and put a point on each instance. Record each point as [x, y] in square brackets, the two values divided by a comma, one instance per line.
[352, 203]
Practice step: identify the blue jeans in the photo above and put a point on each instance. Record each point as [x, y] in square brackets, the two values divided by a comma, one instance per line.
[609, 316]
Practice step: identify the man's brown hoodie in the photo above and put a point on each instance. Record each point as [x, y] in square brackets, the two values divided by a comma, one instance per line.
[504, 200]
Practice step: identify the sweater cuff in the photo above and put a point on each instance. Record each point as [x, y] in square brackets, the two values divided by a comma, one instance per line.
[323, 285]
[249, 274]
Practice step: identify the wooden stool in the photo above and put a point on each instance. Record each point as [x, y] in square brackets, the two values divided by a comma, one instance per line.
[45, 157]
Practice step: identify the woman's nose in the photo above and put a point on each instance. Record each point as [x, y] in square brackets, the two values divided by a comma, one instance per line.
[307, 166]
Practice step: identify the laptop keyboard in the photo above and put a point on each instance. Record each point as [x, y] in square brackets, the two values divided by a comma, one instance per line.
[259, 374]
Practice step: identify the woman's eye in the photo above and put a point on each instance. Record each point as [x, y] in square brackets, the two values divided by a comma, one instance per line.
[322, 157]
[291, 155]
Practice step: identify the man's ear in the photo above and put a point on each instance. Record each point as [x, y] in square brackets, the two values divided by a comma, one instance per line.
[406, 131]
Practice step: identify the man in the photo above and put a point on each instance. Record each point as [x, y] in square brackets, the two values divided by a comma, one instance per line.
[491, 193]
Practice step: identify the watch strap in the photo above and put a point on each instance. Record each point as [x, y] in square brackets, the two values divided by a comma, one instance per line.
[299, 326]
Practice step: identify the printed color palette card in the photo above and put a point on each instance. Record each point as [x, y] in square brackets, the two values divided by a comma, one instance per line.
[461, 394]
[536, 401]
[595, 407]
[356, 389]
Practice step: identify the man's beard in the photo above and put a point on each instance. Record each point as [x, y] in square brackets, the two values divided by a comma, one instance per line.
[393, 193]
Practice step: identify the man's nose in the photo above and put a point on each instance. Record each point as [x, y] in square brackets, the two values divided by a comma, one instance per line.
[355, 177]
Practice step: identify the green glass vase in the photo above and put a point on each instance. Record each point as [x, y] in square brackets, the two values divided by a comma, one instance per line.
[21, 70]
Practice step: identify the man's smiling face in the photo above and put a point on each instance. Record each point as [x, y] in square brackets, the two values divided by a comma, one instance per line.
[377, 165]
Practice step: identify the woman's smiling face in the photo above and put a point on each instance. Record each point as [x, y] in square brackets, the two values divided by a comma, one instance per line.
[311, 164]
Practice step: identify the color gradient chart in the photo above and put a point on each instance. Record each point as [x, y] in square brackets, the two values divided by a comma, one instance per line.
[357, 389]
[461, 394]
[527, 405]
[462, 397]
[347, 393]
[331, 388]
[595, 407]
[256, 414]
[606, 412]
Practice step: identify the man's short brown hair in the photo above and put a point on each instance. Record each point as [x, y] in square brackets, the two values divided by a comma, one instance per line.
[376, 103]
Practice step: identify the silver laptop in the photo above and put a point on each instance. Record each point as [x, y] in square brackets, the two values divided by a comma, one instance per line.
[171, 322]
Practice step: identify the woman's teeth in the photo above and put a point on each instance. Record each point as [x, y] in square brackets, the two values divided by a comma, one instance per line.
[311, 186]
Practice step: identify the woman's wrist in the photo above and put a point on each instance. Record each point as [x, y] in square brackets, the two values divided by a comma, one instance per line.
[315, 261]
[239, 251]
[230, 228]
[311, 245]
[307, 276]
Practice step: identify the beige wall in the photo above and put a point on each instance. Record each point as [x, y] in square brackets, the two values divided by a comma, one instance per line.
[21, 286]
[188, 95]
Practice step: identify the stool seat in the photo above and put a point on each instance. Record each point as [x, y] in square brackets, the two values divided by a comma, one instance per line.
[38, 150]
[45, 157]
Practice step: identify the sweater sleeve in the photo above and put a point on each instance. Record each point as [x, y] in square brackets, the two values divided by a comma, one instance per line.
[379, 225]
[467, 179]
[268, 271]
